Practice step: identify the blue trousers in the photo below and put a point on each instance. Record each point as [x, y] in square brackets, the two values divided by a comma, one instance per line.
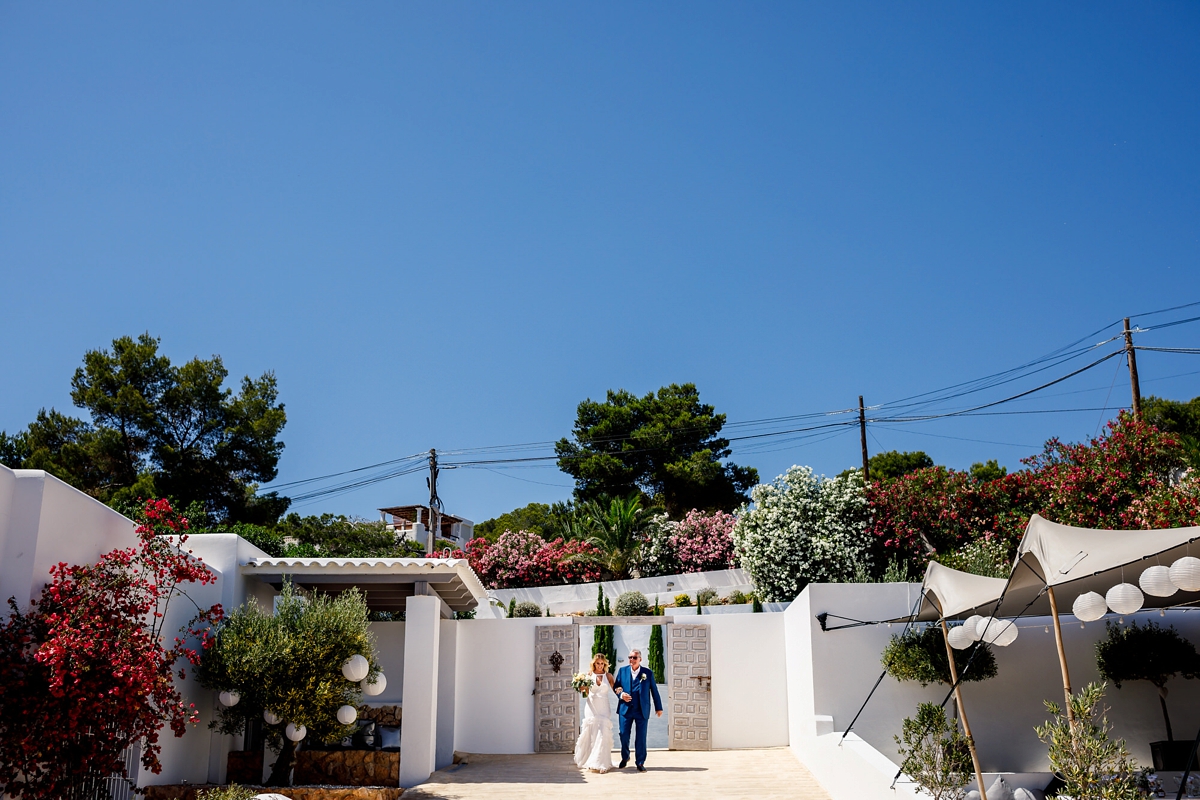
[639, 738]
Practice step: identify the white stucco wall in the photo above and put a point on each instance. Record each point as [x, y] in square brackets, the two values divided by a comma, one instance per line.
[389, 649]
[44, 521]
[749, 680]
[831, 673]
[582, 596]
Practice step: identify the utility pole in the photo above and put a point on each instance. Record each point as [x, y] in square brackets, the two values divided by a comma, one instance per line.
[435, 504]
[862, 433]
[1133, 376]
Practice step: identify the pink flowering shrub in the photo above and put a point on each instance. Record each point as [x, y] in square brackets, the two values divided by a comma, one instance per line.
[703, 542]
[519, 558]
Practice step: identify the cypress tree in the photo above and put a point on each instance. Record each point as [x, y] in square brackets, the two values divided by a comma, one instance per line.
[512, 606]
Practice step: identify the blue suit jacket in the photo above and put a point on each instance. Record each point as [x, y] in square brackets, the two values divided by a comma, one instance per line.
[640, 691]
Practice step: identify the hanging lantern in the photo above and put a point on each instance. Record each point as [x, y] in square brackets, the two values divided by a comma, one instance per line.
[1124, 598]
[295, 732]
[1001, 632]
[376, 686]
[229, 699]
[270, 718]
[961, 637]
[1089, 606]
[971, 625]
[1185, 573]
[347, 714]
[1156, 582]
[356, 668]
[986, 628]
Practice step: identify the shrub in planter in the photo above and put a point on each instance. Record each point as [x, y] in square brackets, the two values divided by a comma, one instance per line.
[683, 600]
[1087, 761]
[706, 597]
[934, 754]
[921, 656]
[230, 792]
[632, 604]
[1154, 654]
[290, 663]
[737, 598]
[526, 608]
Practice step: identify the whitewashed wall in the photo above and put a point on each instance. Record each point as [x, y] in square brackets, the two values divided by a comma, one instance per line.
[44, 521]
[494, 698]
[389, 649]
[582, 596]
[831, 673]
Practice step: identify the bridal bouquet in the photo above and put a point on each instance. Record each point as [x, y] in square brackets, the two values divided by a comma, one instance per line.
[583, 683]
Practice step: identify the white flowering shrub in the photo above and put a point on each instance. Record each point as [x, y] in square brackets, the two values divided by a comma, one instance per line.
[657, 556]
[803, 528]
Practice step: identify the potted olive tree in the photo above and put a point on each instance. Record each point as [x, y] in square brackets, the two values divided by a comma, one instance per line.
[1154, 654]
[921, 656]
[288, 669]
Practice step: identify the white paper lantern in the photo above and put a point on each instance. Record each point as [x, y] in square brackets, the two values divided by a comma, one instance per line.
[1124, 598]
[1002, 632]
[971, 624]
[1156, 582]
[375, 687]
[985, 628]
[347, 714]
[1185, 573]
[270, 718]
[1089, 606]
[961, 638]
[295, 732]
[356, 668]
[229, 699]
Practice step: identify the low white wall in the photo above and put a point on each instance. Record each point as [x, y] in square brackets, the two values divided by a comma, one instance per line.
[831, 673]
[582, 596]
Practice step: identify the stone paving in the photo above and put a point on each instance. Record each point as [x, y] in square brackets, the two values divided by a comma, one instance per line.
[670, 775]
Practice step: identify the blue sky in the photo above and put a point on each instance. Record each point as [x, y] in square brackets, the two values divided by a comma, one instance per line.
[445, 224]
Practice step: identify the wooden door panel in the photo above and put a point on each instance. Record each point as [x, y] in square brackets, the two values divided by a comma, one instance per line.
[689, 687]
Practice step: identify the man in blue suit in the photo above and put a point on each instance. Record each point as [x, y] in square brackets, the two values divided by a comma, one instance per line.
[635, 686]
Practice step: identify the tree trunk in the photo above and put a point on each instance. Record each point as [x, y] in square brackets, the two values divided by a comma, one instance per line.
[1162, 699]
[281, 773]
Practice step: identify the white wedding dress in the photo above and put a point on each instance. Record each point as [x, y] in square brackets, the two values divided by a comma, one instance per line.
[593, 748]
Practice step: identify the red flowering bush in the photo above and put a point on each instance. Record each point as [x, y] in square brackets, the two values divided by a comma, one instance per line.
[520, 558]
[85, 672]
[703, 541]
[1119, 480]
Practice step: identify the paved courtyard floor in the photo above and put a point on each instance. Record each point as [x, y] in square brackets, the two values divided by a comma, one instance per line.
[670, 775]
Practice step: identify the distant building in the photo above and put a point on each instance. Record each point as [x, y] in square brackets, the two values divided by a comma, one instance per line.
[413, 522]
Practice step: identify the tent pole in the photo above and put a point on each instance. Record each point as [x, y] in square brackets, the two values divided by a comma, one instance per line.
[1062, 657]
[962, 711]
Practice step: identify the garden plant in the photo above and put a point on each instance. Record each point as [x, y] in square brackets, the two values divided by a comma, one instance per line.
[934, 754]
[85, 671]
[1091, 765]
[290, 664]
[1146, 653]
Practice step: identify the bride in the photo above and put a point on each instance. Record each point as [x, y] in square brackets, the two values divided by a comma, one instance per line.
[593, 748]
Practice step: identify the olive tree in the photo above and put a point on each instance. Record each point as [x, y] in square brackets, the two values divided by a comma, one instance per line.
[290, 664]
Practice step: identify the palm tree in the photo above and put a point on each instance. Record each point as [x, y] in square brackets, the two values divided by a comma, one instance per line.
[617, 528]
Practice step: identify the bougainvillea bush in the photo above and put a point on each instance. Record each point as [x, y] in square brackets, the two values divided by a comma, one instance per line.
[1119, 480]
[85, 670]
[803, 528]
[520, 558]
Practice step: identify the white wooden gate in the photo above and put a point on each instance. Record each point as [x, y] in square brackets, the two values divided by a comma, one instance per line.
[556, 704]
[689, 686]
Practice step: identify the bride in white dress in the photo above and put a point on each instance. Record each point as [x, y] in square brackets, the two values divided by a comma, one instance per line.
[593, 748]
